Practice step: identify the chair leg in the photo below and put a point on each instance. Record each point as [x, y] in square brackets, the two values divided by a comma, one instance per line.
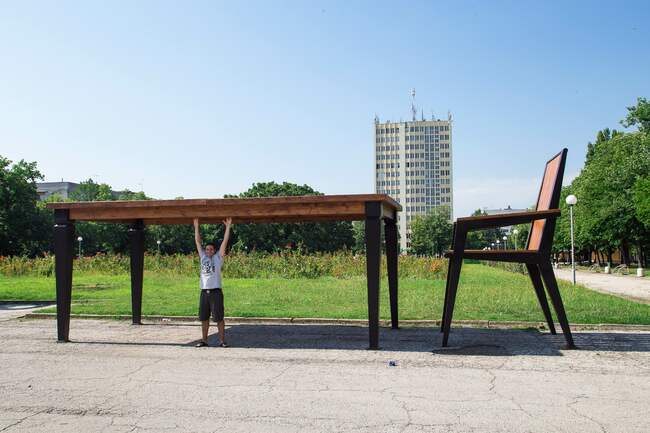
[452, 287]
[533, 271]
[553, 291]
[444, 305]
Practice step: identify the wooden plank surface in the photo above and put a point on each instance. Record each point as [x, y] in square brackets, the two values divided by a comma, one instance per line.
[262, 209]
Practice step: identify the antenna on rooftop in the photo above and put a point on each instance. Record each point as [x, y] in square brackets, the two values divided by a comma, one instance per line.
[414, 110]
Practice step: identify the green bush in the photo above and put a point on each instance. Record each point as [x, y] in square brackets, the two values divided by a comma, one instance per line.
[518, 268]
[293, 264]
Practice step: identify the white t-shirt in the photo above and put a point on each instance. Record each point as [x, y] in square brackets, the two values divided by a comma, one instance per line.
[211, 271]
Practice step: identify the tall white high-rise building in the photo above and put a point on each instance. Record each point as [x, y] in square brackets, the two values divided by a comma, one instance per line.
[413, 164]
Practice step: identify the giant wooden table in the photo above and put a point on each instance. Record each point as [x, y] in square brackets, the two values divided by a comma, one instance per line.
[371, 208]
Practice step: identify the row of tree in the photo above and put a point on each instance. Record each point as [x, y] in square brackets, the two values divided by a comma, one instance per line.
[26, 225]
[613, 191]
[431, 234]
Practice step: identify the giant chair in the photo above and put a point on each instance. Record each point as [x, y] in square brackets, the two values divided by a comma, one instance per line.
[536, 256]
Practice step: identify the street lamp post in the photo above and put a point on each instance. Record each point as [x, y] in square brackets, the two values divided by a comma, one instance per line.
[515, 232]
[571, 200]
[505, 242]
[158, 242]
[498, 242]
[80, 240]
[492, 245]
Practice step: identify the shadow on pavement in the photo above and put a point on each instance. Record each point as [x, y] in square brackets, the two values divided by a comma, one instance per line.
[466, 341]
[462, 341]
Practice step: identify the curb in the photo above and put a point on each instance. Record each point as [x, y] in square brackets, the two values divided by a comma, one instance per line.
[490, 324]
[23, 302]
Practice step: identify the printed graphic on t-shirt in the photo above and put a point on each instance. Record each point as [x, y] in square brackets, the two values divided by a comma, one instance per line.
[211, 272]
[207, 266]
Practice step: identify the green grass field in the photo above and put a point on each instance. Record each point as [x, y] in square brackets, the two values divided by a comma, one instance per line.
[485, 293]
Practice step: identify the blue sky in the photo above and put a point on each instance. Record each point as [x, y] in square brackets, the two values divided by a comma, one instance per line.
[200, 99]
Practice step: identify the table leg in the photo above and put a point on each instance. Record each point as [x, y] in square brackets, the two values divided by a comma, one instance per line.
[390, 232]
[136, 236]
[63, 252]
[373, 264]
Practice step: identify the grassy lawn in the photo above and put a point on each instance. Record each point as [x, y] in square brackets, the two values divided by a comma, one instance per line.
[485, 293]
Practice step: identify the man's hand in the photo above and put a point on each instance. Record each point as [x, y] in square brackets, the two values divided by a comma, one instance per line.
[226, 236]
[197, 236]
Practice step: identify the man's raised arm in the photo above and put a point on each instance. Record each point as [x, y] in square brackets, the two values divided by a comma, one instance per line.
[226, 237]
[197, 236]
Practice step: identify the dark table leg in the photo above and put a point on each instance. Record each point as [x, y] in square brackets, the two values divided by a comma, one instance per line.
[373, 264]
[136, 237]
[63, 251]
[390, 232]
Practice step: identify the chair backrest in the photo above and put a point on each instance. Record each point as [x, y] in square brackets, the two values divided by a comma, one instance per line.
[541, 233]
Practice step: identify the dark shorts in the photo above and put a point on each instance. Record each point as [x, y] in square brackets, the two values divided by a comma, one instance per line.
[211, 304]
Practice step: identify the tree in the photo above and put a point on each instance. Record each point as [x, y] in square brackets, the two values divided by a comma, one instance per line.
[359, 235]
[479, 239]
[23, 226]
[602, 137]
[606, 216]
[642, 200]
[130, 195]
[330, 236]
[88, 190]
[431, 233]
[174, 238]
[638, 114]
[359, 238]
[520, 238]
[105, 237]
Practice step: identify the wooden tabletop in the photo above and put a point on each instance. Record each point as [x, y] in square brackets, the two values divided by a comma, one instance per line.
[241, 210]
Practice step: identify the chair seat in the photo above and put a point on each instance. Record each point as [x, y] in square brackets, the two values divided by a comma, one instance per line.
[520, 256]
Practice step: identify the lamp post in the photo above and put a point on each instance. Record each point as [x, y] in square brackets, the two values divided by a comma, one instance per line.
[498, 242]
[515, 232]
[571, 200]
[492, 245]
[505, 242]
[158, 242]
[80, 240]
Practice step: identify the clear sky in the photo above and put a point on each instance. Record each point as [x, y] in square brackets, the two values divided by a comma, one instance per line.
[200, 99]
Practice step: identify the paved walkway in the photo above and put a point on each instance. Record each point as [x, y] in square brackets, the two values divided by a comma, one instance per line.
[625, 286]
[14, 310]
[116, 377]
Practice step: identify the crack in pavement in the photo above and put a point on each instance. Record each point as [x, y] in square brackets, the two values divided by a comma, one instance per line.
[571, 407]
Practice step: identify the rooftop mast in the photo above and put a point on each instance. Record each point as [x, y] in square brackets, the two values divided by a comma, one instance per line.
[414, 110]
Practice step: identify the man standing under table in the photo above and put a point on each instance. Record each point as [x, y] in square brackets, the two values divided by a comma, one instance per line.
[211, 298]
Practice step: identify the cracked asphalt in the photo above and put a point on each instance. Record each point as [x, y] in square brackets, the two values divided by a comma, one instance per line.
[116, 377]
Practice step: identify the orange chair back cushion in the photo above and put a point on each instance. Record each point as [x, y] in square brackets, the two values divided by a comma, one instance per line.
[544, 201]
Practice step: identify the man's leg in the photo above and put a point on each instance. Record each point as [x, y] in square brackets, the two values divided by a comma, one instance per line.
[205, 327]
[218, 315]
[221, 326]
[204, 317]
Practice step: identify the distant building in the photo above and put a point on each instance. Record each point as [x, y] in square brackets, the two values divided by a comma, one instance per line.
[63, 189]
[507, 210]
[46, 189]
[413, 164]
